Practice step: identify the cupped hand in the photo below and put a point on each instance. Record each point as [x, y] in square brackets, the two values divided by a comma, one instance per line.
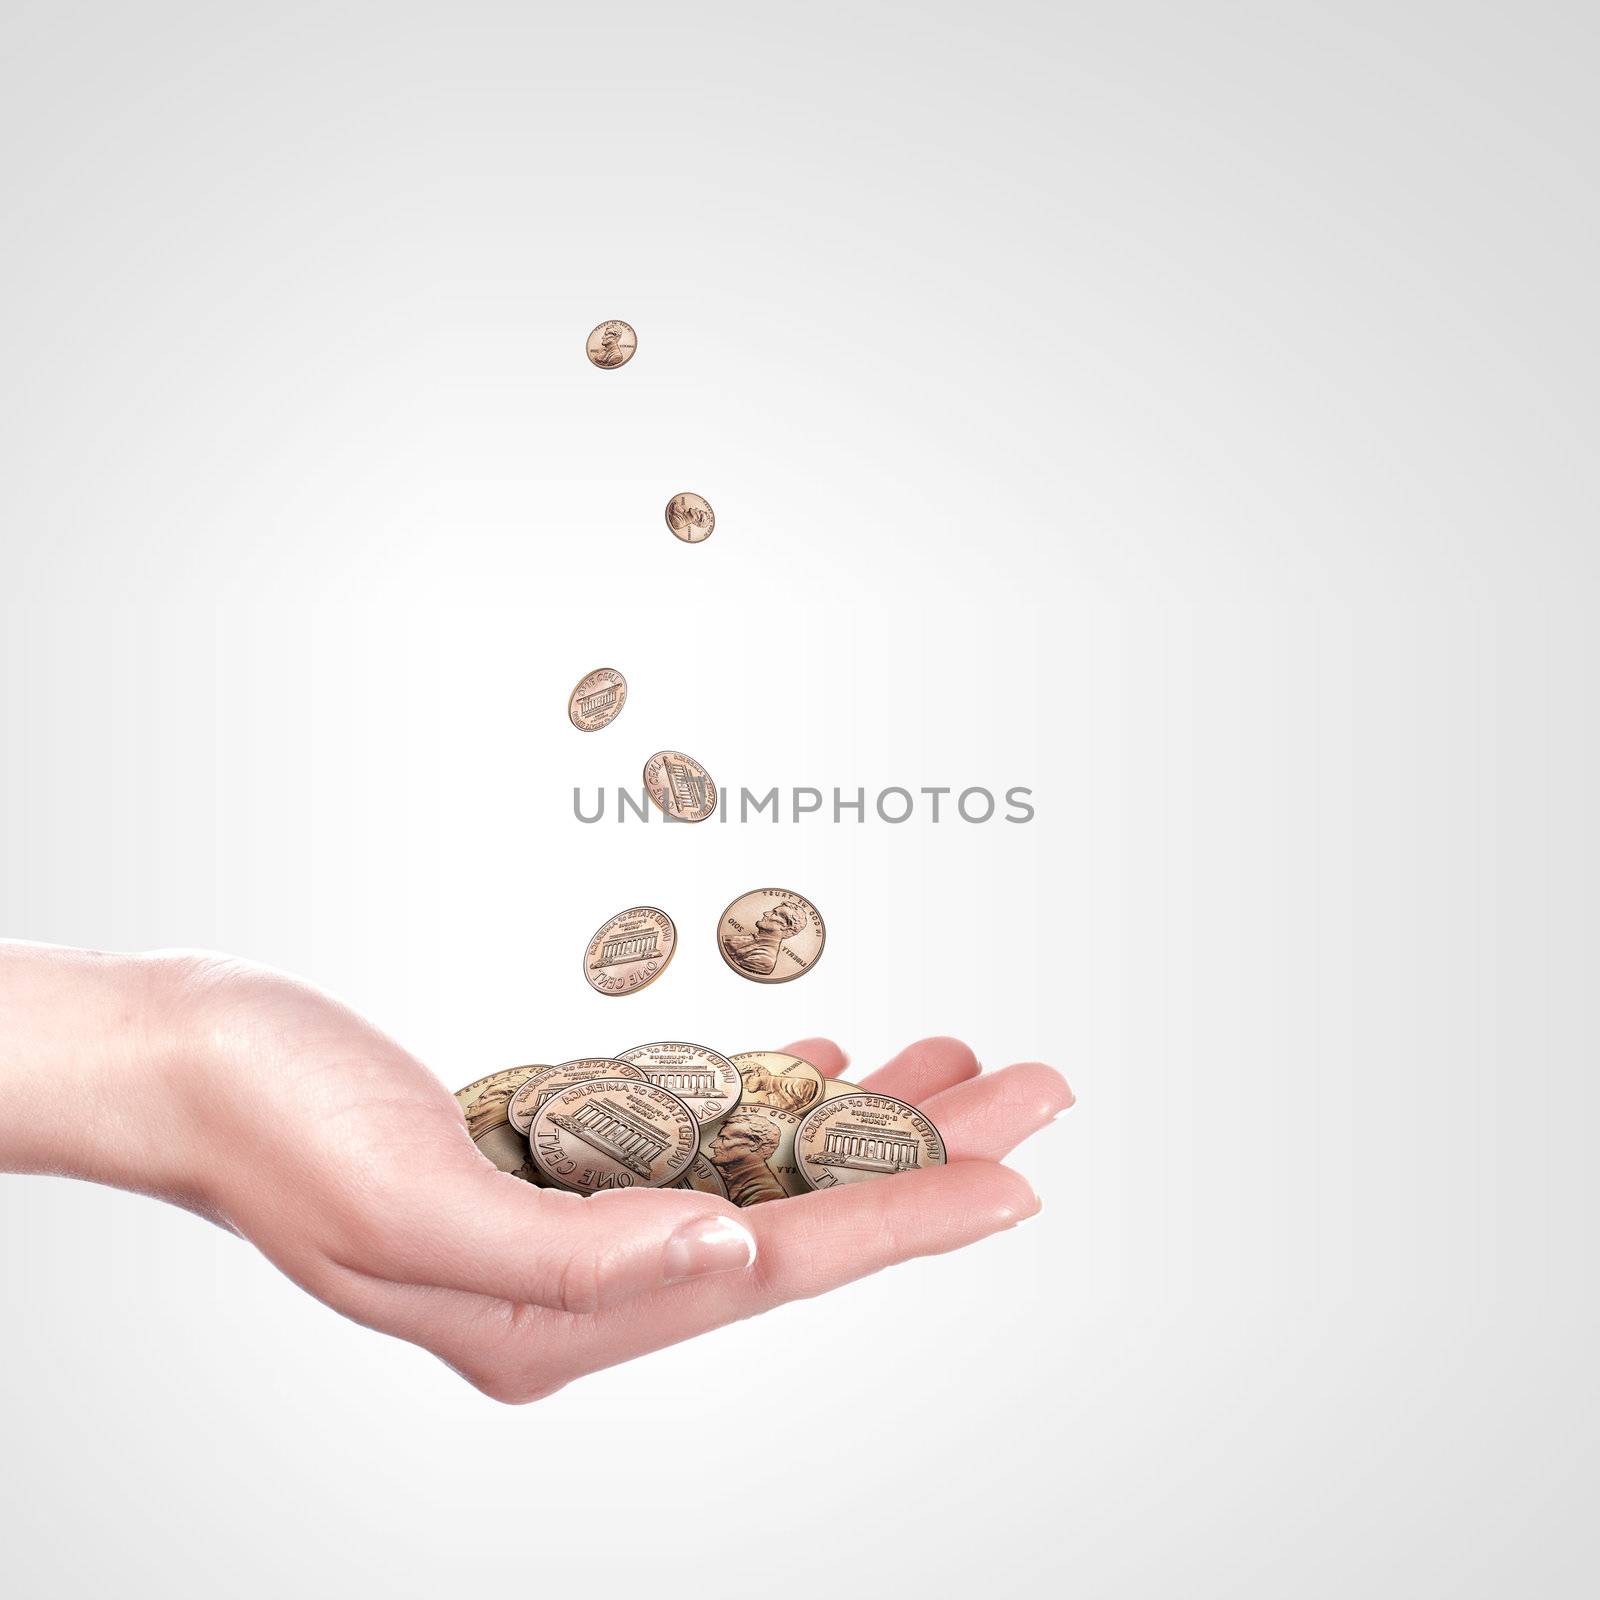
[348, 1164]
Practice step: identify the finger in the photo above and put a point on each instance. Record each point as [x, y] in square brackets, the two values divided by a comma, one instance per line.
[809, 1245]
[989, 1116]
[823, 1054]
[923, 1069]
[468, 1227]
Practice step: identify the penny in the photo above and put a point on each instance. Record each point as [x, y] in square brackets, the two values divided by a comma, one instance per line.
[832, 1088]
[857, 1137]
[680, 786]
[489, 1097]
[771, 935]
[772, 1078]
[706, 1082]
[631, 950]
[613, 1133]
[690, 517]
[526, 1101]
[597, 699]
[752, 1150]
[508, 1150]
[703, 1178]
[612, 345]
[465, 1097]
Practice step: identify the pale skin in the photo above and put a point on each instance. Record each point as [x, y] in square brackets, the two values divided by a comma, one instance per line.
[262, 1103]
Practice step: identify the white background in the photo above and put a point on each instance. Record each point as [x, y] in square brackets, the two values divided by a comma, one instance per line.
[1182, 410]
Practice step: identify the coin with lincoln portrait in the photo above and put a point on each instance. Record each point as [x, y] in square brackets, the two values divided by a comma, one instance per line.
[771, 936]
[611, 345]
[752, 1151]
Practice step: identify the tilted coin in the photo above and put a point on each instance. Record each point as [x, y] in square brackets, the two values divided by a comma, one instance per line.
[772, 1078]
[465, 1097]
[752, 1149]
[702, 1177]
[597, 699]
[708, 1083]
[490, 1096]
[832, 1088]
[612, 345]
[861, 1136]
[613, 1133]
[508, 1150]
[771, 935]
[690, 517]
[629, 951]
[526, 1101]
[680, 786]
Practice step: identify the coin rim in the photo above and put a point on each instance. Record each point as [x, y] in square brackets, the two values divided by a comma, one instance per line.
[750, 977]
[595, 329]
[633, 1083]
[673, 531]
[572, 694]
[865, 1094]
[622, 994]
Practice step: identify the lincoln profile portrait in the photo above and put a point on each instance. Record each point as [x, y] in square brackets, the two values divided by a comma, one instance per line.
[741, 1152]
[688, 520]
[610, 353]
[786, 1091]
[757, 952]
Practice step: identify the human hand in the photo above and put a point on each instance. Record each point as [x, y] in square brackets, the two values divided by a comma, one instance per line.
[265, 1104]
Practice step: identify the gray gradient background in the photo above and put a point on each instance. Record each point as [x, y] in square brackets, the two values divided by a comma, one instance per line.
[1183, 410]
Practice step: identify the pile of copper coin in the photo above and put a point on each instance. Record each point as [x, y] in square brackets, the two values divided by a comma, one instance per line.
[748, 1128]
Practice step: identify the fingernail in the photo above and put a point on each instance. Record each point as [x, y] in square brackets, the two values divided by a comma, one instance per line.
[1013, 1216]
[711, 1244]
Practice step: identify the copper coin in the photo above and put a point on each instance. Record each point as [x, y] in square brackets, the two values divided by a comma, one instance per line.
[597, 699]
[771, 935]
[484, 1103]
[857, 1137]
[508, 1150]
[752, 1149]
[706, 1082]
[832, 1088]
[614, 1133]
[631, 950]
[772, 1078]
[680, 786]
[690, 517]
[526, 1101]
[612, 345]
[703, 1178]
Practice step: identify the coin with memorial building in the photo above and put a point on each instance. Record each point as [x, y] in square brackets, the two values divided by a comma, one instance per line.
[596, 699]
[613, 1133]
[526, 1101]
[705, 1080]
[680, 786]
[629, 951]
[857, 1137]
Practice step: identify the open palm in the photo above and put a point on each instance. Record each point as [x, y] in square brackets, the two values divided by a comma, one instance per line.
[348, 1164]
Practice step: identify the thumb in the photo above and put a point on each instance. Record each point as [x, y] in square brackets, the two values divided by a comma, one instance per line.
[486, 1232]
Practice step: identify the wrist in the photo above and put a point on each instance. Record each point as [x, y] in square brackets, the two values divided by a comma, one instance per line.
[94, 1049]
